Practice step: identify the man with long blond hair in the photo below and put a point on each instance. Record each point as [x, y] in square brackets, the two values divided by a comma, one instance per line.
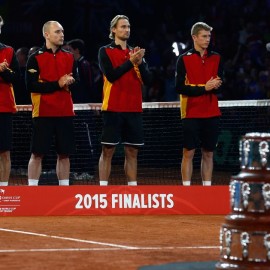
[124, 71]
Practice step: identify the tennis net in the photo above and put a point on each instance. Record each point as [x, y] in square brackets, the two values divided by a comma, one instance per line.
[159, 159]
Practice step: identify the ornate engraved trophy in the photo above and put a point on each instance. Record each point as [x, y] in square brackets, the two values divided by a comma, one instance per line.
[245, 234]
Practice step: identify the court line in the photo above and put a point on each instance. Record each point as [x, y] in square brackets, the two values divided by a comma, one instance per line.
[68, 239]
[100, 249]
[114, 246]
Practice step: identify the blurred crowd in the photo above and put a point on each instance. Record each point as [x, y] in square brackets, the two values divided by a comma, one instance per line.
[241, 30]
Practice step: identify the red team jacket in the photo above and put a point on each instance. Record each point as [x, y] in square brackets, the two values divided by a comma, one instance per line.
[44, 69]
[7, 78]
[122, 89]
[192, 73]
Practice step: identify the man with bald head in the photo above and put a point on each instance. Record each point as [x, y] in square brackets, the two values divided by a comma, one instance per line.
[50, 74]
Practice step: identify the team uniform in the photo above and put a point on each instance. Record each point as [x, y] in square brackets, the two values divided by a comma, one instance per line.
[52, 106]
[7, 99]
[199, 108]
[122, 96]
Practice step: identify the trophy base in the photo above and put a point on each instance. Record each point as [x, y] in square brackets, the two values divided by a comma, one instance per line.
[245, 234]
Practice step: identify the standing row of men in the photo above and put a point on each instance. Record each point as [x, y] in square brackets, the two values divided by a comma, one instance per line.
[51, 73]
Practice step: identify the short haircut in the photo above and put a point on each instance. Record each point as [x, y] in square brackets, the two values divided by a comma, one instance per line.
[46, 26]
[114, 22]
[77, 44]
[197, 27]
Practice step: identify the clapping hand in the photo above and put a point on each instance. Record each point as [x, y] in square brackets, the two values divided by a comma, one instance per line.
[4, 66]
[136, 55]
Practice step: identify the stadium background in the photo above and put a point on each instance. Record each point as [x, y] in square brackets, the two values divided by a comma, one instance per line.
[241, 31]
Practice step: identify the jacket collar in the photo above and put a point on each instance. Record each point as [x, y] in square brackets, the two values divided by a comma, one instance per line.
[206, 54]
[113, 45]
[45, 49]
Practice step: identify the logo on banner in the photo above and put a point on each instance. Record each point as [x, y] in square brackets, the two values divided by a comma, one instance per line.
[8, 203]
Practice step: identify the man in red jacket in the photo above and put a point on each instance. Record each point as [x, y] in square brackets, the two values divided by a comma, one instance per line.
[9, 74]
[198, 77]
[50, 73]
[125, 71]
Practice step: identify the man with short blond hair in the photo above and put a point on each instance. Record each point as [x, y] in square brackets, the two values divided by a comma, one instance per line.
[198, 79]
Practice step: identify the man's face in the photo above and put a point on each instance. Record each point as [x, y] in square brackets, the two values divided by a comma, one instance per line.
[55, 34]
[122, 30]
[202, 39]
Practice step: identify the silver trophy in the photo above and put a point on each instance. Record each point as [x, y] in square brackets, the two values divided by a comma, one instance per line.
[263, 150]
[228, 241]
[245, 194]
[245, 243]
[266, 195]
[267, 245]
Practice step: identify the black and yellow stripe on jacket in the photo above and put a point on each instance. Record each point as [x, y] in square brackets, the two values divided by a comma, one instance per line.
[122, 88]
[44, 69]
[192, 73]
